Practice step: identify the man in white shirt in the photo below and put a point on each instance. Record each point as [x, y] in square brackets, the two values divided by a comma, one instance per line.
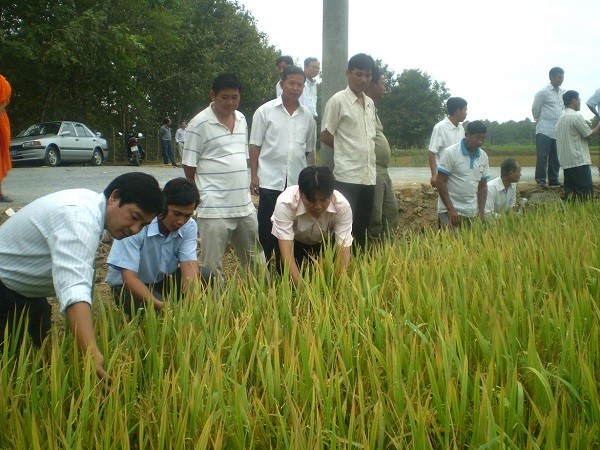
[308, 213]
[546, 109]
[593, 103]
[280, 64]
[572, 136]
[180, 137]
[215, 158]
[312, 68]
[462, 178]
[349, 129]
[283, 136]
[48, 248]
[447, 132]
[502, 191]
[161, 260]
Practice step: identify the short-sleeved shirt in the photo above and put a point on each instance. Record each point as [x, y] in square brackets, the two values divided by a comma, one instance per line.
[571, 146]
[309, 96]
[353, 129]
[464, 171]
[445, 134]
[594, 100]
[152, 255]
[291, 220]
[165, 133]
[547, 107]
[284, 140]
[499, 197]
[220, 158]
[49, 246]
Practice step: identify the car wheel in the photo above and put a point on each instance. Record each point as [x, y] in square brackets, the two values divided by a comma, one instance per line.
[97, 157]
[52, 157]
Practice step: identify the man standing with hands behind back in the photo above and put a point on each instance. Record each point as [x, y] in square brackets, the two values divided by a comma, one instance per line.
[349, 129]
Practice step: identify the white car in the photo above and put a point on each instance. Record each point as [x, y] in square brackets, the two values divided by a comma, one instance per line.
[56, 142]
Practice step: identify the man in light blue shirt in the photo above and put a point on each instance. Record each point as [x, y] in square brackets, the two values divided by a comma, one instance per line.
[162, 258]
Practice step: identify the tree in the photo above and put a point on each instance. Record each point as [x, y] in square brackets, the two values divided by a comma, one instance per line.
[413, 105]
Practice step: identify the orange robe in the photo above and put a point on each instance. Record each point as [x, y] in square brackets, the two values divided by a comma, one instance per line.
[5, 160]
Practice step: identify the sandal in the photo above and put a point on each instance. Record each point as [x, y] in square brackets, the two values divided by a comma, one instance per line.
[5, 199]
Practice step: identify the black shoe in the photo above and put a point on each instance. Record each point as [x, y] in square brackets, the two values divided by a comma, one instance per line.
[541, 185]
[554, 183]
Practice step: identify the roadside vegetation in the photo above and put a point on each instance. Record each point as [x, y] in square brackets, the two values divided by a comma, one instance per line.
[485, 339]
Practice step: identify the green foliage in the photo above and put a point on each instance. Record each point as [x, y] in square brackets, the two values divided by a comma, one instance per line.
[117, 63]
[413, 104]
[511, 132]
[479, 339]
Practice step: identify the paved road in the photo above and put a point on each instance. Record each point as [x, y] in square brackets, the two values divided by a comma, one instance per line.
[25, 184]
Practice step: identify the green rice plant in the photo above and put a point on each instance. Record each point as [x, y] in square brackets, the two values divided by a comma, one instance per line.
[488, 338]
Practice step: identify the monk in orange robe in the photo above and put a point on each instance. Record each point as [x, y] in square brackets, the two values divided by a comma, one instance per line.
[5, 160]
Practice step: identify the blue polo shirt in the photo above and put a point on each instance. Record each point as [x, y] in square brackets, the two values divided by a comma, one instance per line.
[151, 254]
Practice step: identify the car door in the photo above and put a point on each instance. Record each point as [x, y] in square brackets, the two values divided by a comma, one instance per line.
[86, 142]
[69, 143]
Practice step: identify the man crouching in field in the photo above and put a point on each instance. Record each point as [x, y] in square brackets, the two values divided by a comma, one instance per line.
[463, 173]
[48, 248]
[162, 258]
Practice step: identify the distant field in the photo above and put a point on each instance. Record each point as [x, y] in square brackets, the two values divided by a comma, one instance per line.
[525, 154]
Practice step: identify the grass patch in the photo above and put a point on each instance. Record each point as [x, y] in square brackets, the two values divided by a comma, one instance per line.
[485, 339]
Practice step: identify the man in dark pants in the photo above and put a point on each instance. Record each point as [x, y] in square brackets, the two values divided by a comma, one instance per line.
[349, 128]
[282, 142]
[48, 248]
[546, 109]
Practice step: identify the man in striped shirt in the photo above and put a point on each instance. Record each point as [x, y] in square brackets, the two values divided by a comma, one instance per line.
[48, 248]
[215, 158]
[572, 136]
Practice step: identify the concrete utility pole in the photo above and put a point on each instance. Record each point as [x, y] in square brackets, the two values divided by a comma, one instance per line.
[335, 58]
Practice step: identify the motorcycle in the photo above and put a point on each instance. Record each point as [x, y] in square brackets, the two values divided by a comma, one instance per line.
[135, 152]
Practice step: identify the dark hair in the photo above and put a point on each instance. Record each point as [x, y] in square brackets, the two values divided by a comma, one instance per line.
[166, 120]
[556, 71]
[138, 188]
[292, 70]
[361, 61]
[308, 60]
[226, 80]
[508, 166]
[453, 104]
[375, 74]
[569, 96]
[476, 127]
[316, 179]
[181, 192]
[286, 59]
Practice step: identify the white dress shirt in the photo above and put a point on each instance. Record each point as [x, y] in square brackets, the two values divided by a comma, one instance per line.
[309, 96]
[547, 107]
[445, 134]
[284, 139]
[48, 247]
[500, 198]
[571, 146]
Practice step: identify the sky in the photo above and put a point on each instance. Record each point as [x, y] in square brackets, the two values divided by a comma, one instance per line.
[496, 55]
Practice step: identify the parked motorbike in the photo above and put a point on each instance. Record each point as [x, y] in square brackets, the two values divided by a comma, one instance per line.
[135, 152]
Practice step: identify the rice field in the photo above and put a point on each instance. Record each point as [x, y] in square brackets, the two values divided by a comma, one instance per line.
[485, 339]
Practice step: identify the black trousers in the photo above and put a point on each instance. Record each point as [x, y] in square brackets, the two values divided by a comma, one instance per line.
[302, 252]
[266, 206]
[360, 197]
[15, 309]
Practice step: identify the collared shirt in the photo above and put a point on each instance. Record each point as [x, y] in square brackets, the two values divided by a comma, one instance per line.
[353, 129]
[284, 139]
[547, 107]
[594, 100]
[180, 135]
[445, 134]
[291, 220]
[48, 247]
[571, 146]
[152, 255]
[464, 171]
[165, 133]
[278, 89]
[383, 153]
[220, 158]
[500, 198]
[309, 96]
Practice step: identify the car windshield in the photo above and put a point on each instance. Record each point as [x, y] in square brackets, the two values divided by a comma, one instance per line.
[40, 129]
